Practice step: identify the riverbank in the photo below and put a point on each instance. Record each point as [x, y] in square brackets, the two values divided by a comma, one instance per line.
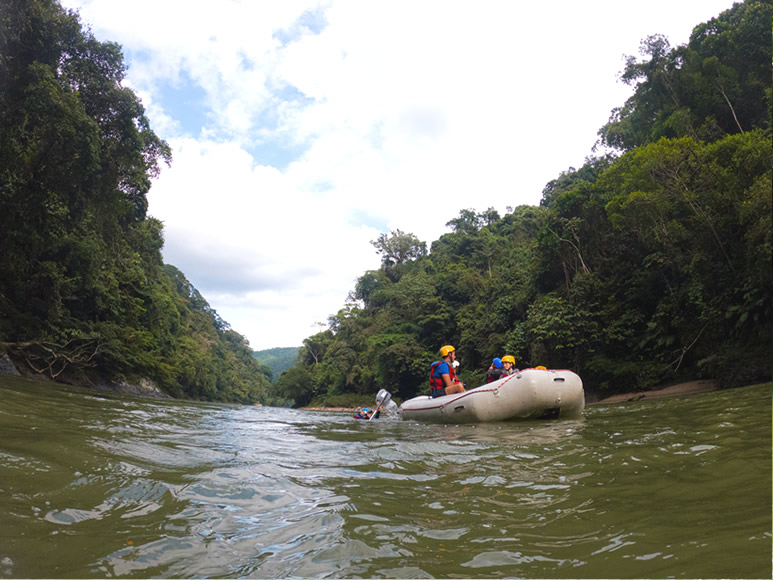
[143, 387]
[679, 390]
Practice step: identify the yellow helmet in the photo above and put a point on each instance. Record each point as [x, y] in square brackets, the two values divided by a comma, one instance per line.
[444, 351]
[508, 358]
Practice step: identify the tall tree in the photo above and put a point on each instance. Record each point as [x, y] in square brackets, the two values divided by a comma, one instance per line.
[399, 247]
[716, 85]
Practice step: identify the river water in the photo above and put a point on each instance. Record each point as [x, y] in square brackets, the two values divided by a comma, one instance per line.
[101, 485]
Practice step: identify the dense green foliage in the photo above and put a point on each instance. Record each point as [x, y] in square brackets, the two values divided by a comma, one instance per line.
[638, 269]
[717, 84]
[278, 360]
[84, 294]
[642, 267]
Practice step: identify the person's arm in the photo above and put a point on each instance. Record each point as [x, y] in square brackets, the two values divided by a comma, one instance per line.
[447, 380]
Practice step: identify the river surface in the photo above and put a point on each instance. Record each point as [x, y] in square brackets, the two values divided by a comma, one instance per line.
[102, 485]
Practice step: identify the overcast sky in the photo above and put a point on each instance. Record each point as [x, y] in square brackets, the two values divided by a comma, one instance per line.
[302, 130]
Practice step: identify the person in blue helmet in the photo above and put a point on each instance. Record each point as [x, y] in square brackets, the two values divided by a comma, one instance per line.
[494, 371]
[365, 413]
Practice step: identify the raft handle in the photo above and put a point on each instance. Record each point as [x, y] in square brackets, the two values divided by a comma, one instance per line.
[559, 379]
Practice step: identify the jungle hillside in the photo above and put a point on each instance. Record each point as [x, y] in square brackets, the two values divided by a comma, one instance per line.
[648, 265]
[277, 359]
[84, 294]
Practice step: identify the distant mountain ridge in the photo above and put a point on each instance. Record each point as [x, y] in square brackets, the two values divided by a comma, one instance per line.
[278, 359]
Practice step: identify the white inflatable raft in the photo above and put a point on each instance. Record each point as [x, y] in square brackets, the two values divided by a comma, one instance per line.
[528, 394]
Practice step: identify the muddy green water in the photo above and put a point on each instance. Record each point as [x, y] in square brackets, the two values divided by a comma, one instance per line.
[95, 485]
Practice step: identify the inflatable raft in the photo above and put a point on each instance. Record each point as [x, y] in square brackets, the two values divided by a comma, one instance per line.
[528, 394]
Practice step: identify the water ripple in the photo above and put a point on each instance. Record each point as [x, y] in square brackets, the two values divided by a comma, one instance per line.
[119, 487]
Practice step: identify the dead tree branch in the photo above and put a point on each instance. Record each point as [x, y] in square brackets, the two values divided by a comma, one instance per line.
[678, 360]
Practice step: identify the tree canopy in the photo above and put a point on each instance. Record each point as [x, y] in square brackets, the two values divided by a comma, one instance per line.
[641, 268]
[84, 293]
[717, 84]
[645, 266]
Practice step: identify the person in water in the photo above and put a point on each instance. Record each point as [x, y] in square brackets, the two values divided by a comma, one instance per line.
[494, 371]
[508, 362]
[364, 413]
[442, 374]
[389, 410]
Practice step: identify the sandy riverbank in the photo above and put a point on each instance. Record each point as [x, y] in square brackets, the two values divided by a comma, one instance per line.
[680, 390]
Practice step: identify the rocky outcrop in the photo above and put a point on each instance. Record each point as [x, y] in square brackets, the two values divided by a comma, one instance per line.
[143, 388]
[7, 367]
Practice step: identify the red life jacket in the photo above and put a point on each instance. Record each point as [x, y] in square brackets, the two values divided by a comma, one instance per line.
[436, 383]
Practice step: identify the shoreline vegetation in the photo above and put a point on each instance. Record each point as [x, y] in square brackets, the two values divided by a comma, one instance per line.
[688, 388]
[647, 267]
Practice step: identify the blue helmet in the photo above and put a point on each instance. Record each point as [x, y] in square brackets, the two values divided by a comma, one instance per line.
[497, 363]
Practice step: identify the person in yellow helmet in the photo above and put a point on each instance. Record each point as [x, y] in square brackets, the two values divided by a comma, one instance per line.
[508, 361]
[442, 374]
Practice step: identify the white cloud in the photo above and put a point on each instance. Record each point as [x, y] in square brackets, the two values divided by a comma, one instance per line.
[320, 120]
[269, 257]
